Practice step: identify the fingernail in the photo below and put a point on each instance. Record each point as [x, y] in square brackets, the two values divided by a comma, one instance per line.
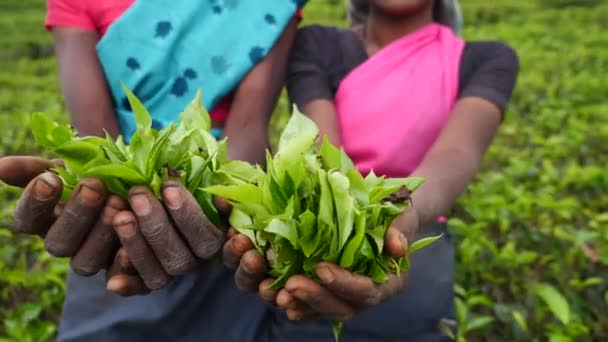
[114, 285]
[88, 195]
[238, 245]
[325, 274]
[141, 205]
[126, 230]
[173, 197]
[45, 186]
[247, 264]
[403, 240]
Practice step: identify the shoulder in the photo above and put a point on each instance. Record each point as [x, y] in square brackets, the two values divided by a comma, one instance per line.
[488, 69]
[319, 35]
[324, 46]
[478, 54]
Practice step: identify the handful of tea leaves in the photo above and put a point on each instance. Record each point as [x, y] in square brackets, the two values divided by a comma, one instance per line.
[313, 205]
[185, 150]
[309, 205]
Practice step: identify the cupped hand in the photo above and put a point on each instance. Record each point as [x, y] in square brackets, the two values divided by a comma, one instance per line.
[160, 240]
[81, 228]
[340, 294]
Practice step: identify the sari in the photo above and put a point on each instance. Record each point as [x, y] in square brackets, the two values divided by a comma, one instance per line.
[165, 51]
[392, 108]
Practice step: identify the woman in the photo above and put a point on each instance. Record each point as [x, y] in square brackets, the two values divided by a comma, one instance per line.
[235, 51]
[404, 96]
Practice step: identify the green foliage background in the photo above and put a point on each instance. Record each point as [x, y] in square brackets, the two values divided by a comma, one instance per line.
[532, 231]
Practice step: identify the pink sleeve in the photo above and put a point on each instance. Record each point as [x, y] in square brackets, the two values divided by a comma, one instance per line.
[68, 13]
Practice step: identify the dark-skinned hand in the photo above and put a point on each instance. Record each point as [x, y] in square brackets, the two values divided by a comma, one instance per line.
[338, 296]
[160, 239]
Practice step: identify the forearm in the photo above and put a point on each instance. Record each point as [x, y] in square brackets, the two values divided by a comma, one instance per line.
[83, 83]
[248, 143]
[256, 97]
[448, 173]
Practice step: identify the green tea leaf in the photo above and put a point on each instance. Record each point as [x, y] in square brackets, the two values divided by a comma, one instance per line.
[240, 170]
[195, 115]
[353, 245]
[419, 244]
[113, 171]
[43, 130]
[299, 134]
[112, 151]
[336, 327]
[345, 206]
[237, 193]
[330, 156]
[306, 232]
[143, 119]
[285, 229]
[411, 183]
[479, 322]
[554, 300]
[160, 144]
[76, 153]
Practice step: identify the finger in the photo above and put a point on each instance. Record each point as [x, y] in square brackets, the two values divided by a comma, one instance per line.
[34, 213]
[170, 249]
[20, 170]
[204, 239]
[251, 271]
[123, 263]
[286, 301]
[127, 285]
[98, 248]
[268, 294]
[234, 249]
[395, 243]
[122, 278]
[303, 314]
[319, 298]
[140, 254]
[357, 289]
[77, 218]
[231, 232]
[222, 205]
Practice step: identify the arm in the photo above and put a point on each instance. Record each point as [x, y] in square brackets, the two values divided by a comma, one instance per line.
[308, 81]
[323, 113]
[459, 151]
[256, 96]
[83, 83]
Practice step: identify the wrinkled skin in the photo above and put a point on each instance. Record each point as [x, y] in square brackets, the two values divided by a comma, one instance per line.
[159, 239]
[339, 296]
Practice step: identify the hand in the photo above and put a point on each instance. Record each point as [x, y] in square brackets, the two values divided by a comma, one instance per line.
[160, 239]
[81, 228]
[239, 255]
[340, 295]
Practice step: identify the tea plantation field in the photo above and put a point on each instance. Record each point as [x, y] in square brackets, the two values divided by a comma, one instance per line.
[532, 231]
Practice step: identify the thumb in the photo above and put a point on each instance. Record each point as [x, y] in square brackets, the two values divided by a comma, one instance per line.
[20, 170]
[395, 243]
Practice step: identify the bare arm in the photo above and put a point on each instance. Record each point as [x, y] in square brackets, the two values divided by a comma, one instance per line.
[323, 113]
[256, 96]
[455, 157]
[83, 83]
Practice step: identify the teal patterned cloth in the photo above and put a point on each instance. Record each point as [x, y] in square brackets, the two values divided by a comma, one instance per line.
[165, 50]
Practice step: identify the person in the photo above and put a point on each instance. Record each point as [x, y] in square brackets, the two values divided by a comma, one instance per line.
[236, 52]
[404, 96]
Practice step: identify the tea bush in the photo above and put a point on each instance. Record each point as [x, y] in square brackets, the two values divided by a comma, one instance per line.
[532, 231]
